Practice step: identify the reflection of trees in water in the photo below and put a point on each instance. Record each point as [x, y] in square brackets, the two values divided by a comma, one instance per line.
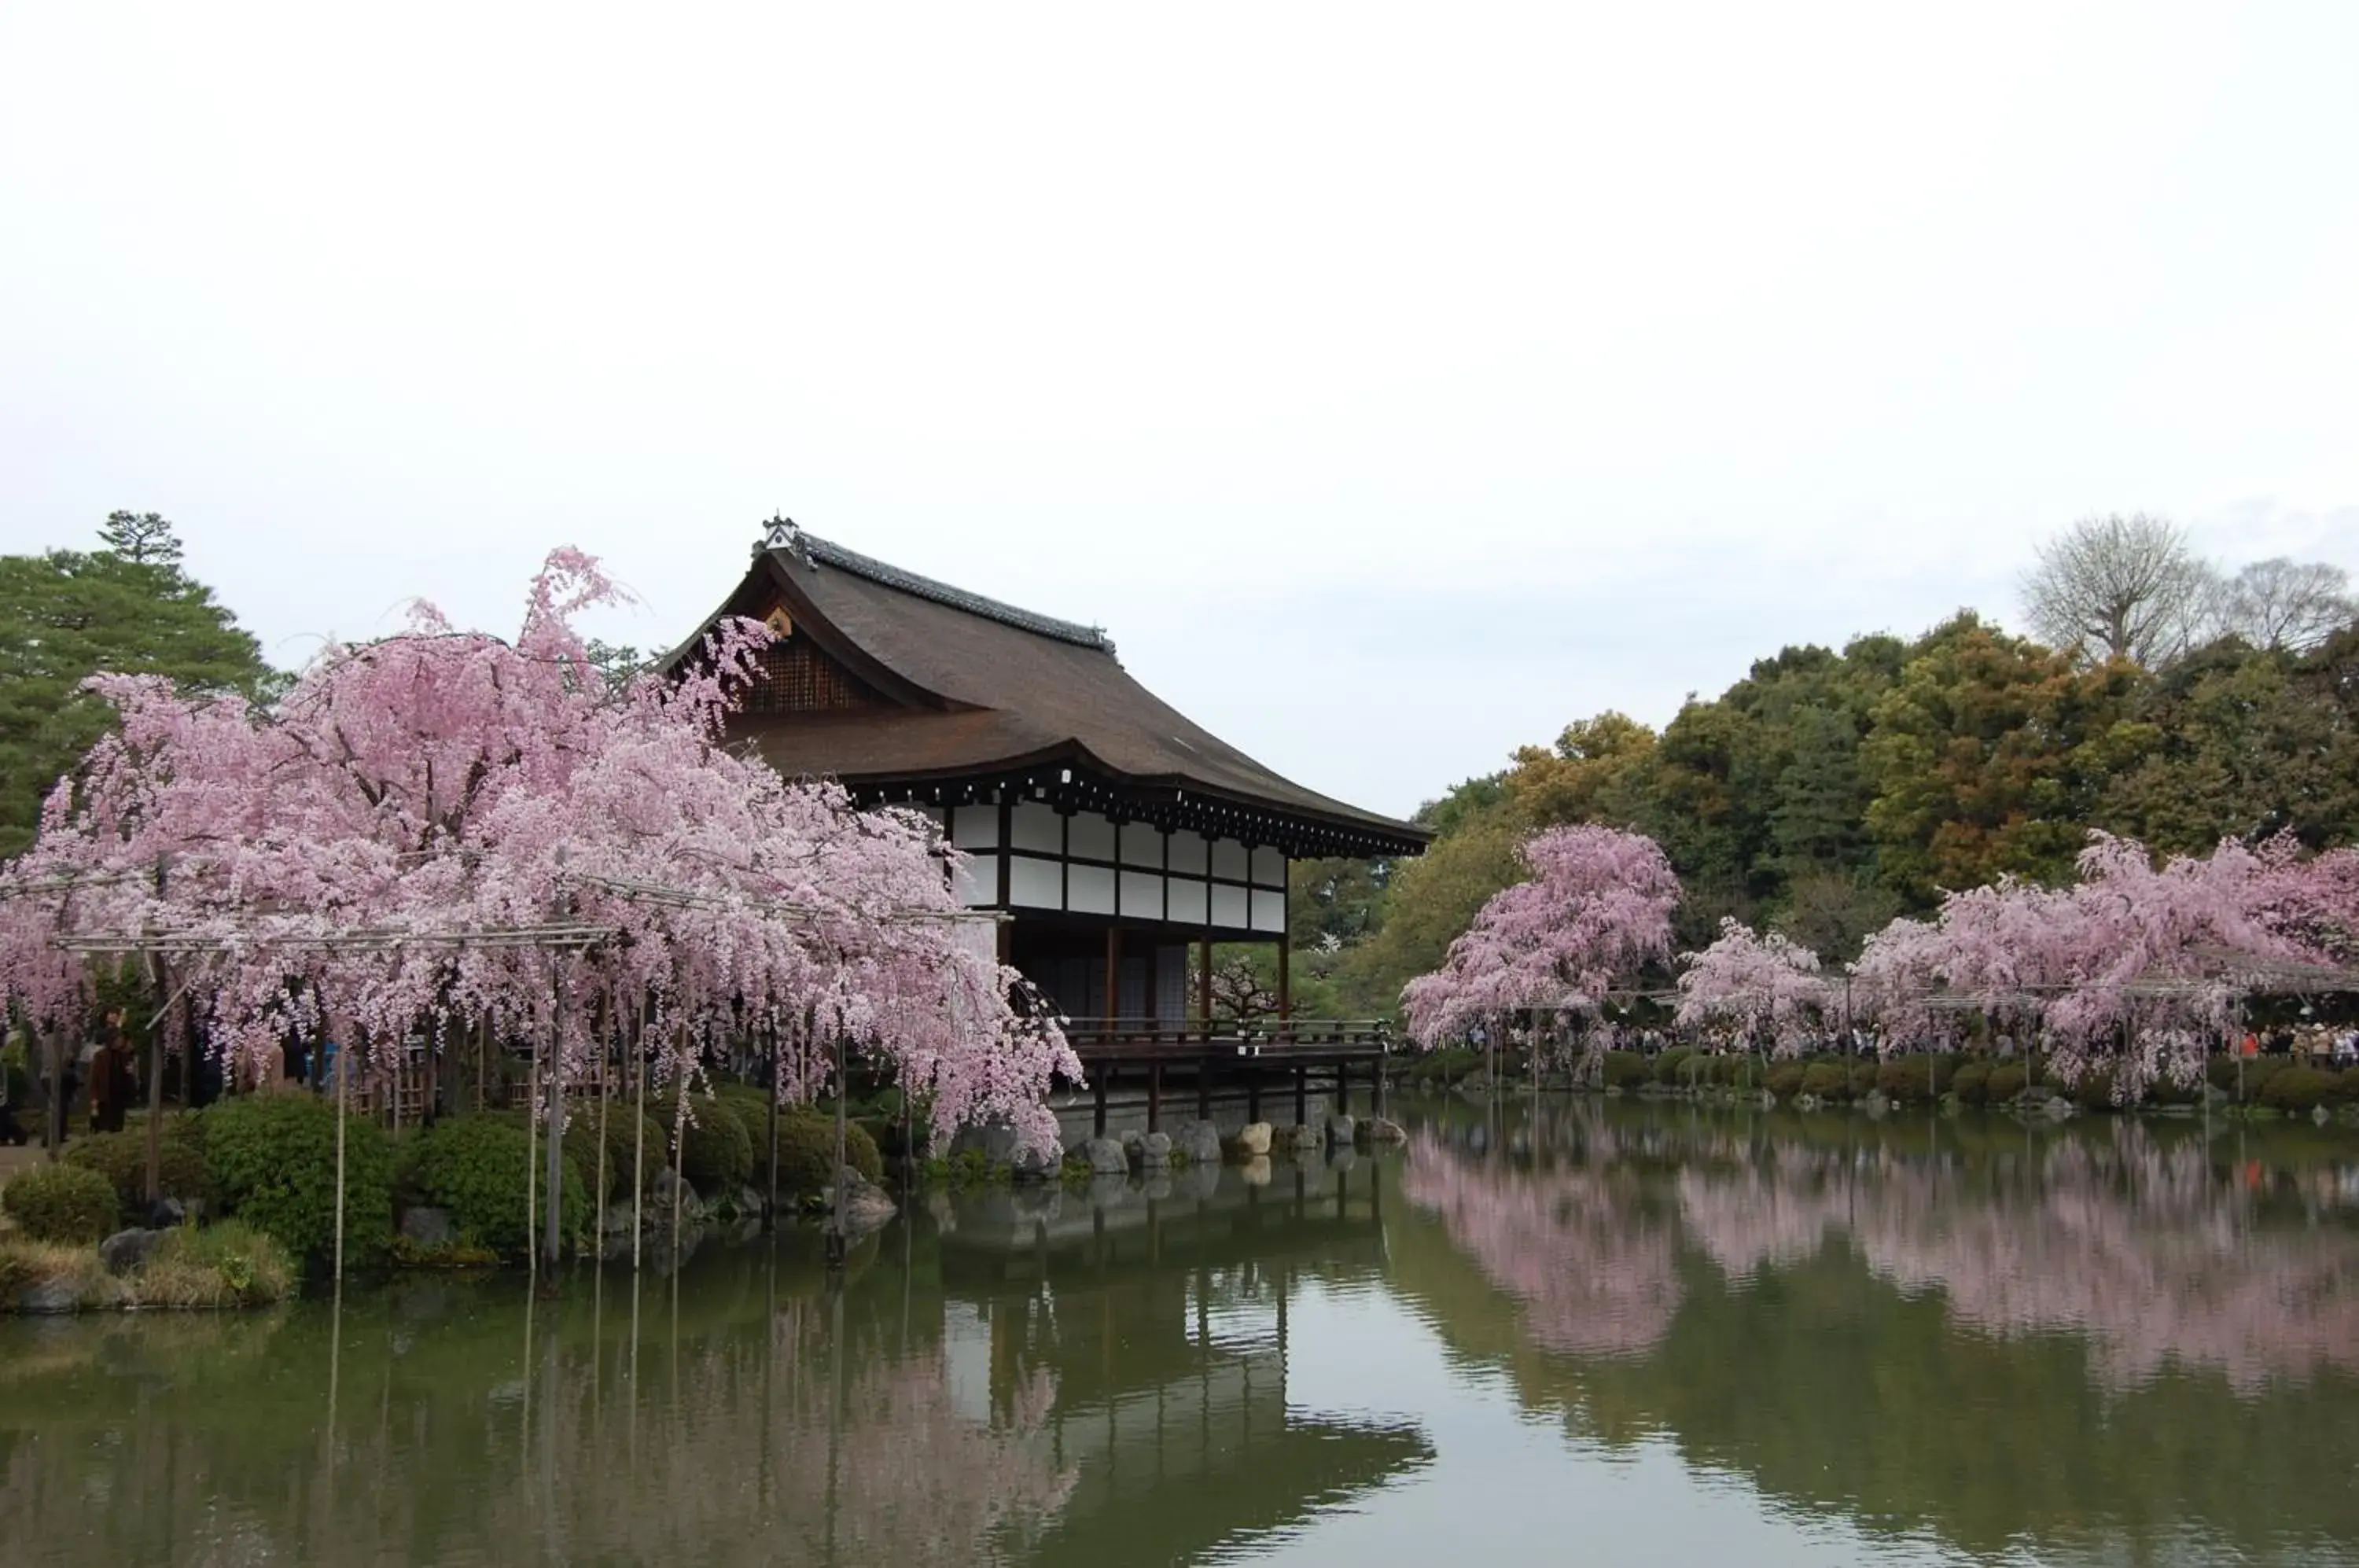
[1595, 1275]
[2135, 1243]
[831, 1438]
[1811, 1353]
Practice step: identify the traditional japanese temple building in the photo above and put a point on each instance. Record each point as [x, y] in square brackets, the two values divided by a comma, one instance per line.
[1121, 838]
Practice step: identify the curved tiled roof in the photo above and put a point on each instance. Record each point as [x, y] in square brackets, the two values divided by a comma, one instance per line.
[985, 687]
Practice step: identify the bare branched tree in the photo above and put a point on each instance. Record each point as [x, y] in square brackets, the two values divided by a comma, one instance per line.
[2286, 603]
[2120, 587]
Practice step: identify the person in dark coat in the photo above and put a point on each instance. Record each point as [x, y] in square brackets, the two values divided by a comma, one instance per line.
[113, 1079]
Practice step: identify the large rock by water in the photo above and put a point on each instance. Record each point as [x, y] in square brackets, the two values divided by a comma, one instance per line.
[866, 1206]
[1153, 1153]
[128, 1250]
[1201, 1142]
[1381, 1129]
[49, 1298]
[1340, 1130]
[1252, 1141]
[1106, 1158]
[659, 1199]
[429, 1227]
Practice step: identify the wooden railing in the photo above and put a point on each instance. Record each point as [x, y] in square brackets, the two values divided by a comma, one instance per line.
[1254, 1037]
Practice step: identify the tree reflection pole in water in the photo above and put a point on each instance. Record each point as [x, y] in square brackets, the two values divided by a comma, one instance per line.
[553, 1207]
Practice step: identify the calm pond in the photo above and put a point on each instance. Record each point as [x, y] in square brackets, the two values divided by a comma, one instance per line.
[1594, 1333]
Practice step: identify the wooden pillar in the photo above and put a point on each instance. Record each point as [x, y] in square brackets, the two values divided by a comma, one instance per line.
[1285, 985]
[1205, 986]
[1301, 1096]
[1098, 1081]
[1155, 1096]
[1114, 978]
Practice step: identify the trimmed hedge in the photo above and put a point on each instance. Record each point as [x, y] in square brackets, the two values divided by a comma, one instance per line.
[1915, 1080]
[807, 1151]
[1971, 1083]
[2301, 1089]
[1785, 1079]
[66, 1204]
[1668, 1065]
[2005, 1082]
[1863, 1075]
[475, 1167]
[121, 1159]
[272, 1161]
[1827, 1081]
[717, 1152]
[1626, 1070]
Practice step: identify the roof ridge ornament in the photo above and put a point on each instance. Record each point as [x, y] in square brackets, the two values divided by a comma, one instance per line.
[780, 533]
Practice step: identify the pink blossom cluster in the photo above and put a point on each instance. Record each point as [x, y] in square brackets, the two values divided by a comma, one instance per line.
[2135, 967]
[1596, 906]
[399, 846]
[1755, 988]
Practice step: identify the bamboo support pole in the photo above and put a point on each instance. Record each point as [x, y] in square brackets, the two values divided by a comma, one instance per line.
[532, 1160]
[344, 1101]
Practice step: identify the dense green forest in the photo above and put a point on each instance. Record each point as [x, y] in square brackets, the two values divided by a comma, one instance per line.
[1827, 791]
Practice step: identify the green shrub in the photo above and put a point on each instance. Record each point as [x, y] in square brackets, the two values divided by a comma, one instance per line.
[1668, 1064]
[1970, 1081]
[68, 1204]
[581, 1146]
[1827, 1081]
[121, 1159]
[1785, 1079]
[271, 1159]
[2220, 1072]
[1915, 1080]
[2259, 1071]
[1625, 1070]
[475, 1167]
[717, 1152]
[1862, 1075]
[2300, 1089]
[2005, 1082]
[807, 1151]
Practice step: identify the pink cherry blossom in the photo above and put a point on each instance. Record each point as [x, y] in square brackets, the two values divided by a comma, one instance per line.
[1757, 988]
[1596, 907]
[443, 827]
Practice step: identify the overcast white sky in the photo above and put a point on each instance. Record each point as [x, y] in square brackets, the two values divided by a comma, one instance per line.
[1395, 384]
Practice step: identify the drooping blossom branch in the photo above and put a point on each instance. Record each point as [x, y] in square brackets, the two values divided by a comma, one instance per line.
[1596, 907]
[1755, 988]
[450, 794]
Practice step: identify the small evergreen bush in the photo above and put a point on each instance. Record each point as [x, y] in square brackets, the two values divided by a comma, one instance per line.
[1863, 1078]
[1971, 1083]
[1625, 1070]
[475, 1167]
[1785, 1079]
[66, 1204]
[1827, 1081]
[807, 1151]
[2300, 1089]
[121, 1159]
[271, 1159]
[717, 1152]
[1670, 1065]
[2005, 1082]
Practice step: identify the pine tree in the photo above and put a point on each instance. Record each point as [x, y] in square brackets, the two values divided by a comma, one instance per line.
[66, 616]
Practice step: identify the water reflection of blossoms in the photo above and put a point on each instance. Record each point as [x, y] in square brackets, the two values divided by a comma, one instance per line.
[1594, 1274]
[2135, 1242]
